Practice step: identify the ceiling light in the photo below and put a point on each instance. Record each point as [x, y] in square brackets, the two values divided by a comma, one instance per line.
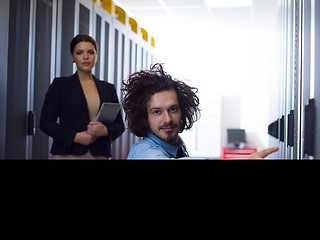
[228, 3]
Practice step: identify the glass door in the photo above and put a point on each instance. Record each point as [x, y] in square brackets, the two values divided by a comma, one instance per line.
[74, 17]
[102, 22]
[65, 33]
[4, 33]
[17, 80]
[30, 70]
[306, 67]
[294, 120]
[315, 73]
[44, 68]
[83, 17]
[119, 68]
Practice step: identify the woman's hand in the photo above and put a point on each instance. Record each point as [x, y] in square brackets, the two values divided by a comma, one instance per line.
[84, 138]
[97, 129]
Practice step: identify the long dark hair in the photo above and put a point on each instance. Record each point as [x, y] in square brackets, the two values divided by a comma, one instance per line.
[139, 88]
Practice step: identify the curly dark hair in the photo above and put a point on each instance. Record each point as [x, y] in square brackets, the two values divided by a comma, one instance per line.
[139, 88]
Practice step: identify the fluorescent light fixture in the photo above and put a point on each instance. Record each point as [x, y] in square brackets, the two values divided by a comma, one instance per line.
[228, 3]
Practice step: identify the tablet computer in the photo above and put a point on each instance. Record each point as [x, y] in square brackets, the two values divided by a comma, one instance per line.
[108, 112]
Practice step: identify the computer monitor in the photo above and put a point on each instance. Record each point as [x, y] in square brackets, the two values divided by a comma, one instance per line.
[236, 136]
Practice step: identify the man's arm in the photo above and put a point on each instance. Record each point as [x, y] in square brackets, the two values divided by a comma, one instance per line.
[262, 154]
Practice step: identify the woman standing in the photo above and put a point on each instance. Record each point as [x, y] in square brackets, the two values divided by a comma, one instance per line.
[75, 101]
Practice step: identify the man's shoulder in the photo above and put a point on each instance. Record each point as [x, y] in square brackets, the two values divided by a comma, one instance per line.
[146, 149]
[144, 143]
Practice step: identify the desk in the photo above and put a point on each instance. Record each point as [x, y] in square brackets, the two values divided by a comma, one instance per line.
[228, 153]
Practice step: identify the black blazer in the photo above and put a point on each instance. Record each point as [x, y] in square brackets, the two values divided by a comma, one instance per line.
[65, 100]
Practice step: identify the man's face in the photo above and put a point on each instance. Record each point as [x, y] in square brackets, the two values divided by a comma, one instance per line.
[164, 116]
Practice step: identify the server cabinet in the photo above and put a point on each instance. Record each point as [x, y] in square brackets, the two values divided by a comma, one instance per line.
[292, 73]
[294, 115]
[37, 34]
[17, 82]
[132, 51]
[102, 22]
[65, 33]
[120, 66]
[133, 67]
[298, 128]
[315, 73]
[305, 73]
[31, 49]
[43, 70]
[142, 58]
[4, 38]
[74, 17]
[83, 17]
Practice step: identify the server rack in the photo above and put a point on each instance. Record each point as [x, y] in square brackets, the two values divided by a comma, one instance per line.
[4, 41]
[295, 130]
[37, 34]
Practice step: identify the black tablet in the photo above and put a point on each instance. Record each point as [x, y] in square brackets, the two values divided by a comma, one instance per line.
[108, 112]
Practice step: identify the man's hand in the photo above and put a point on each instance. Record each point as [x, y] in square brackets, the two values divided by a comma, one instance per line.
[262, 154]
[97, 129]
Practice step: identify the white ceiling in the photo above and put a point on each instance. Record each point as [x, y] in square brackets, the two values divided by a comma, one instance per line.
[156, 13]
[167, 11]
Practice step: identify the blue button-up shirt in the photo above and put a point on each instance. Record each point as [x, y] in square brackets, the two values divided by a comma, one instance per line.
[152, 147]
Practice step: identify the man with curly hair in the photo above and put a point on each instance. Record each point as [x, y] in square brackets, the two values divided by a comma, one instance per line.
[157, 109]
